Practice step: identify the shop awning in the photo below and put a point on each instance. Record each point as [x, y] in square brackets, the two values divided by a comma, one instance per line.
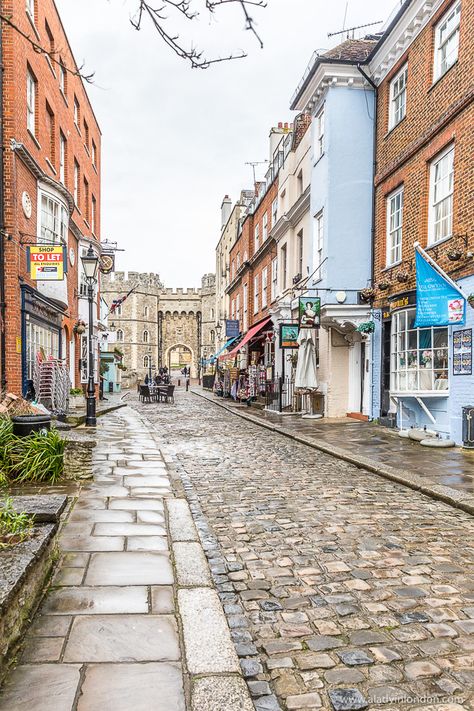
[221, 350]
[248, 336]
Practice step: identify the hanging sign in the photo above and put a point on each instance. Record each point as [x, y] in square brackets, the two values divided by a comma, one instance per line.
[289, 335]
[46, 262]
[438, 302]
[309, 311]
[232, 328]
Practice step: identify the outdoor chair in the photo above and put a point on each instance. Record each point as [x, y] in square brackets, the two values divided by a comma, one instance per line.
[145, 395]
[167, 394]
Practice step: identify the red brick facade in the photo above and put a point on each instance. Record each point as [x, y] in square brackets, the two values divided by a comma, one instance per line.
[62, 115]
[439, 113]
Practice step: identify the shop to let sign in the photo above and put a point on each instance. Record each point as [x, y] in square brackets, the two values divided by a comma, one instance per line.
[46, 262]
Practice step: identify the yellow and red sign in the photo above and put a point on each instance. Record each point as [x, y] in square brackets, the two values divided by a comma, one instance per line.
[46, 262]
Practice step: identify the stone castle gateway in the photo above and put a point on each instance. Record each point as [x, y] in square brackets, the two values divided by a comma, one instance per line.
[160, 326]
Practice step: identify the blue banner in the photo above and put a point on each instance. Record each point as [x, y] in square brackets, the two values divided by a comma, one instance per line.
[438, 303]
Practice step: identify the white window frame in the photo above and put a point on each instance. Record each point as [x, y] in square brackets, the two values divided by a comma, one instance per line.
[94, 153]
[77, 171]
[93, 214]
[319, 244]
[62, 157]
[394, 229]
[31, 92]
[233, 309]
[441, 200]
[255, 294]
[398, 97]
[414, 367]
[257, 237]
[274, 212]
[245, 306]
[264, 287]
[319, 147]
[264, 226]
[449, 24]
[284, 266]
[30, 8]
[77, 113]
[62, 77]
[274, 285]
[53, 219]
[237, 307]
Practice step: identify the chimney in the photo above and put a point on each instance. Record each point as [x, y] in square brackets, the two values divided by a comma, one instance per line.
[226, 209]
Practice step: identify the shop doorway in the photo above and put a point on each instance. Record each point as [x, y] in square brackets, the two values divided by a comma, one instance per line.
[385, 395]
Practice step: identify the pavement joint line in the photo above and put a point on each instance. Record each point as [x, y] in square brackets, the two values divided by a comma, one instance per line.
[449, 497]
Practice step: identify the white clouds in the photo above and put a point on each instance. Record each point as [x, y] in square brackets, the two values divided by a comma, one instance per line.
[175, 140]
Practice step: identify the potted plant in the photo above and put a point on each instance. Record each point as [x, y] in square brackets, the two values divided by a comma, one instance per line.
[384, 285]
[79, 327]
[366, 327]
[367, 294]
[76, 399]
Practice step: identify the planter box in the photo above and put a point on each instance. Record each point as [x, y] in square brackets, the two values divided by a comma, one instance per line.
[77, 402]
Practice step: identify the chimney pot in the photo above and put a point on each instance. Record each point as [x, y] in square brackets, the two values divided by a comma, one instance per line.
[280, 124]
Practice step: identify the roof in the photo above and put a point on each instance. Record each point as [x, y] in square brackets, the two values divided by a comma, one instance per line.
[351, 51]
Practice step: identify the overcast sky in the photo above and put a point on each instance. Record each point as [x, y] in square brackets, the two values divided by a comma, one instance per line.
[175, 140]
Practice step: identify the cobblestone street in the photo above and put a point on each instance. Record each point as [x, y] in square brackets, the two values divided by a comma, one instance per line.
[342, 590]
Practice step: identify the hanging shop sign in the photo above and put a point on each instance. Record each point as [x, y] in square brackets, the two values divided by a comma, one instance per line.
[46, 262]
[462, 352]
[439, 302]
[107, 263]
[289, 335]
[309, 311]
[232, 328]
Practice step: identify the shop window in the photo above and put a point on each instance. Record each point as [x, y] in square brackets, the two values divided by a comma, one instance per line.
[441, 197]
[398, 97]
[394, 227]
[40, 340]
[53, 220]
[447, 41]
[119, 335]
[419, 356]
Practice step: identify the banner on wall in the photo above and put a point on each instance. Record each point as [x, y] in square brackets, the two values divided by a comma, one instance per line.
[439, 301]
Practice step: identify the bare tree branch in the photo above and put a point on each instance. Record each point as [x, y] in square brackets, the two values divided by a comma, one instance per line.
[77, 71]
[196, 57]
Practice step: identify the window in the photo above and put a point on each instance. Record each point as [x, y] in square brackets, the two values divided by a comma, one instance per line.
[30, 8]
[49, 35]
[62, 157]
[119, 335]
[145, 336]
[94, 154]
[146, 361]
[257, 237]
[53, 220]
[86, 200]
[419, 356]
[299, 265]
[264, 287]
[233, 309]
[237, 307]
[76, 183]
[265, 227]
[82, 276]
[39, 339]
[118, 310]
[447, 41]
[94, 215]
[245, 306]
[274, 211]
[284, 267]
[274, 288]
[398, 97]
[238, 261]
[441, 197]
[394, 227]
[62, 77]
[86, 134]
[31, 97]
[145, 312]
[299, 183]
[255, 294]
[50, 127]
[213, 337]
[77, 112]
[319, 240]
[319, 149]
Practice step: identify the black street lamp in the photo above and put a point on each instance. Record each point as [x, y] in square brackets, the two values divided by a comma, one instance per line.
[90, 264]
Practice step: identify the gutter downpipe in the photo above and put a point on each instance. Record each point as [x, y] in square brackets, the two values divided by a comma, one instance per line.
[2, 227]
[372, 243]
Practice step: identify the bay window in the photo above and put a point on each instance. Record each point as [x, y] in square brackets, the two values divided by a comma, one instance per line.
[441, 196]
[419, 356]
[53, 220]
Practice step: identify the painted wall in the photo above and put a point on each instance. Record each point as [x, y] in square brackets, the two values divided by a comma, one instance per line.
[342, 186]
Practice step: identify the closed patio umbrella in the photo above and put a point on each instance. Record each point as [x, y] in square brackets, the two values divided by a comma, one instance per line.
[306, 375]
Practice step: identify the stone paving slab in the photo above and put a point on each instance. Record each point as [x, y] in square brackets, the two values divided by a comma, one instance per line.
[221, 693]
[42, 687]
[129, 568]
[191, 565]
[180, 521]
[97, 600]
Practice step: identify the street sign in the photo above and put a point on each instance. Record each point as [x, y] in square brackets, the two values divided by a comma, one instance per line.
[46, 262]
[232, 328]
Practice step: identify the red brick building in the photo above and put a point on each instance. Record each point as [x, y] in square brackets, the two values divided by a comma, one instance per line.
[423, 68]
[50, 189]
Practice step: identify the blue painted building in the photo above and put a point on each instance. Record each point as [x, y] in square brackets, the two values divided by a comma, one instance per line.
[342, 104]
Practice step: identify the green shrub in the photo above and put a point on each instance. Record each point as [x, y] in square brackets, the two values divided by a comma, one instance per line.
[38, 457]
[14, 527]
[7, 438]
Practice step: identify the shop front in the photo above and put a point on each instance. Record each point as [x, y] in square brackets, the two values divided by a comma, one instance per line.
[41, 334]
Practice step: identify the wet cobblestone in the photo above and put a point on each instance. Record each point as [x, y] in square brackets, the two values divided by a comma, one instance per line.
[357, 592]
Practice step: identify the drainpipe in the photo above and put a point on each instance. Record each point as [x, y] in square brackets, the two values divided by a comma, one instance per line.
[372, 231]
[2, 229]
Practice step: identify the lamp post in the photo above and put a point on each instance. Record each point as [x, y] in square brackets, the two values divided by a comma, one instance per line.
[90, 264]
[149, 367]
[218, 334]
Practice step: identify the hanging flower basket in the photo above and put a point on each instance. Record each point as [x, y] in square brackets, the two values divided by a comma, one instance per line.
[79, 327]
[366, 327]
[384, 285]
[454, 255]
[402, 276]
[367, 294]
[470, 300]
